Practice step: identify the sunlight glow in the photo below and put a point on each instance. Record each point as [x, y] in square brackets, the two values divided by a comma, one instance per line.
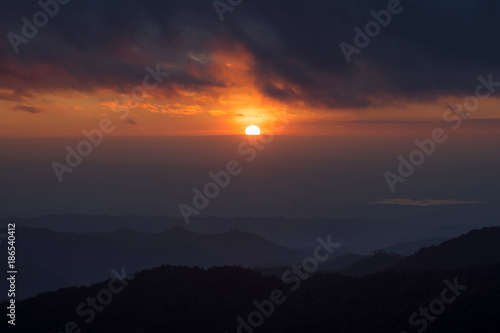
[252, 130]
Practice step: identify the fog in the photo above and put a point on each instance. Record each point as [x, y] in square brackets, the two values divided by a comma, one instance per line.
[291, 176]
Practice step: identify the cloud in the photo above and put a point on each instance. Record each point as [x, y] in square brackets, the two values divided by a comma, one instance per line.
[179, 109]
[217, 113]
[130, 122]
[425, 53]
[422, 203]
[13, 95]
[27, 108]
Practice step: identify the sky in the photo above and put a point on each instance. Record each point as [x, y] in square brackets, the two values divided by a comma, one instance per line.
[264, 59]
[348, 90]
[293, 177]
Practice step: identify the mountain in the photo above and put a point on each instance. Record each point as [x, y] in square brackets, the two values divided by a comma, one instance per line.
[409, 248]
[341, 262]
[235, 247]
[477, 247]
[334, 265]
[227, 299]
[52, 260]
[378, 262]
[356, 235]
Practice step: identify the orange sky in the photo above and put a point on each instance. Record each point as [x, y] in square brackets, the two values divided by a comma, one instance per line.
[227, 107]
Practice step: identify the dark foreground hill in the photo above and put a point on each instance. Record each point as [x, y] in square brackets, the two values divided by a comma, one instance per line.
[182, 299]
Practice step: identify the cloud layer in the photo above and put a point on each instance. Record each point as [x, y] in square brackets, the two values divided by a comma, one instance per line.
[423, 203]
[431, 49]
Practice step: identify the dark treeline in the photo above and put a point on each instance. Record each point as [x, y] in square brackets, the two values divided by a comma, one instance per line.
[183, 299]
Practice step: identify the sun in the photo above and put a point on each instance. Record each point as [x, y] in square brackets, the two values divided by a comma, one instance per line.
[252, 130]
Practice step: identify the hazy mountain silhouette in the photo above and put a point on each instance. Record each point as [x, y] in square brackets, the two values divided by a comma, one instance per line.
[409, 248]
[53, 260]
[341, 262]
[478, 247]
[184, 299]
[355, 235]
[378, 262]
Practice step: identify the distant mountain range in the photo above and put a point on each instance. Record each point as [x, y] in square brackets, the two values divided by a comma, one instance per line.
[341, 262]
[378, 262]
[409, 248]
[184, 299]
[477, 247]
[52, 260]
[404, 236]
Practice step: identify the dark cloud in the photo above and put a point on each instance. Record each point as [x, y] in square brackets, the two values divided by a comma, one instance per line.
[27, 108]
[130, 122]
[15, 95]
[431, 49]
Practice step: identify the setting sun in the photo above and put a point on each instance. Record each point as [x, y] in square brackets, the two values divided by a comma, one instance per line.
[252, 130]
